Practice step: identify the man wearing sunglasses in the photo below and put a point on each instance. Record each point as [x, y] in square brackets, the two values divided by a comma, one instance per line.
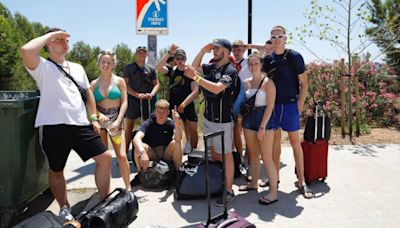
[182, 92]
[142, 86]
[62, 116]
[287, 69]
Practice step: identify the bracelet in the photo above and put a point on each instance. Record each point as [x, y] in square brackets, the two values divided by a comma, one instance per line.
[197, 80]
[93, 118]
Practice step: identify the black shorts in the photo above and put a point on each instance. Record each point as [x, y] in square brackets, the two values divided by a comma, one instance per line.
[58, 140]
[189, 112]
[137, 109]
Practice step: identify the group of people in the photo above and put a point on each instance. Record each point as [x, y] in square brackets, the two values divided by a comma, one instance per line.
[67, 119]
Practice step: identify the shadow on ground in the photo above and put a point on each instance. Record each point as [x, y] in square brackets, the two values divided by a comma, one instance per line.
[370, 150]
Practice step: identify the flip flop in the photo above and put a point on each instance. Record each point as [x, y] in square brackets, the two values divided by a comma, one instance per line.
[245, 188]
[265, 201]
[264, 184]
[305, 189]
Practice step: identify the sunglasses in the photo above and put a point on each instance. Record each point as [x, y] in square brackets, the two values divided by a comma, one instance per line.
[107, 53]
[276, 37]
[179, 58]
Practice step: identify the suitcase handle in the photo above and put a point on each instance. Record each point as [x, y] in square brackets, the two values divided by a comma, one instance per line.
[206, 138]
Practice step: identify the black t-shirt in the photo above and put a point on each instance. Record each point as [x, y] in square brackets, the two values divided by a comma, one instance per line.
[285, 76]
[156, 134]
[226, 74]
[140, 79]
[179, 86]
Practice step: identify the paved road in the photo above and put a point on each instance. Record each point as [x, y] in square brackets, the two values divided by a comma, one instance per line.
[361, 190]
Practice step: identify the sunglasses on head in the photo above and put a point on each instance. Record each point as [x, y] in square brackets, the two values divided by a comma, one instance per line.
[180, 58]
[276, 37]
[107, 53]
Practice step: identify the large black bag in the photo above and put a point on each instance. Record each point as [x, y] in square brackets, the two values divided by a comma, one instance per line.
[323, 123]
[118, 209]
[45, 219]
[159, 175]
[191, 180]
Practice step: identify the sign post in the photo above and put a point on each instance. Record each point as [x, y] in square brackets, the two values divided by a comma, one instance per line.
[151, 20]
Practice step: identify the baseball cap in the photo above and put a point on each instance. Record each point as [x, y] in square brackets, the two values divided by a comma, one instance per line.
[141, 48]
[180, 52]
[222, 43]
[238, 42]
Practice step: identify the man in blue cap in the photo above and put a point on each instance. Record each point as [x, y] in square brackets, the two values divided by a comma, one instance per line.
[217, 87]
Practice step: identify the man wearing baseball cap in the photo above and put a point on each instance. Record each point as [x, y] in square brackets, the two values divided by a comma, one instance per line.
[182, 92]
[142, 86]
[217, 87]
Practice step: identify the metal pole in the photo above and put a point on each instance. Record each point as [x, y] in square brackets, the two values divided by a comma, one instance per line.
[250, 7]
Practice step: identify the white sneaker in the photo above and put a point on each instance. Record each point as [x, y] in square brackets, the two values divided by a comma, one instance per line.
[65, 213]
[187, 149]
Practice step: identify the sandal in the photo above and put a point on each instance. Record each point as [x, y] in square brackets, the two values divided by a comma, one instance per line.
[245, 188]
[304, 190]
[265, 183]
[265, 201]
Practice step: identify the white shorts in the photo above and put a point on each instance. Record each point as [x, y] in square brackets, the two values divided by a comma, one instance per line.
[212, 127]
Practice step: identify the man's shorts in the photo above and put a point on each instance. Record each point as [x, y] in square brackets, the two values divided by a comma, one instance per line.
[137, 108]
[158, 152]
[252, 121]
[189, 112]
[287, 117]
[212, 127]
[58, 140]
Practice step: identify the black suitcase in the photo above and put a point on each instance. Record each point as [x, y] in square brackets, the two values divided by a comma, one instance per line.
[226, 219]
[45, 219]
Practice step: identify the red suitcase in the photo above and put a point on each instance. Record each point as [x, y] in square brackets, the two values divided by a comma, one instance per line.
[316, 151]
[315, 160]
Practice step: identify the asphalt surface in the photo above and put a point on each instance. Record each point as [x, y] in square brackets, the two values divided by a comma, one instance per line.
[361, 190]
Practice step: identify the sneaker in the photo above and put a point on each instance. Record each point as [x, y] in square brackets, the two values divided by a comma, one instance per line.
[187, 149]
[229, 197]
[65, 213]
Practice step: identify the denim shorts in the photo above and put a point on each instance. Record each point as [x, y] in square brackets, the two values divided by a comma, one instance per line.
[253, 120]
[287, 117]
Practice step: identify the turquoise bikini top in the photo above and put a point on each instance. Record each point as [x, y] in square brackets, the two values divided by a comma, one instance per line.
[114, 94]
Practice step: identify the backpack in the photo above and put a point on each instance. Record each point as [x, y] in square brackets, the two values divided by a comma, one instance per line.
[288, 56]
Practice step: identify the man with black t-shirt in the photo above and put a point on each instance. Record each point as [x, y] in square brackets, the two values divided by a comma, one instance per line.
[182, 92]
[159, 137]
[142, 86]
[217, 87]
[287, 69]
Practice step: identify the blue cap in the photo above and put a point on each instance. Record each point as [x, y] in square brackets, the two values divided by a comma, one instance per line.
[223, 43]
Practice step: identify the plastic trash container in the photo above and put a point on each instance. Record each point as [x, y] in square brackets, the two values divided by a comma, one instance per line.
[23, 166]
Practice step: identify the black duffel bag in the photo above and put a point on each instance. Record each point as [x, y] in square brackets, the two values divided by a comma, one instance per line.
[118, 209]
[160, 175]
[191, 180]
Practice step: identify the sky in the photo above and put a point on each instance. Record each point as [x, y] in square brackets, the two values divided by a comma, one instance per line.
[192, 24]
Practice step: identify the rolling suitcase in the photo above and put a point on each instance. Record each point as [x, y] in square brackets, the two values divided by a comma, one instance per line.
[316, 151]
[227, 219]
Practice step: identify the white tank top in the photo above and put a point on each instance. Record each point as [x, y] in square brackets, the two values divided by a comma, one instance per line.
[261, 98]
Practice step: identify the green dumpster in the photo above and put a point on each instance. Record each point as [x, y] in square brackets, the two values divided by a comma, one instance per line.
[23, 166]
